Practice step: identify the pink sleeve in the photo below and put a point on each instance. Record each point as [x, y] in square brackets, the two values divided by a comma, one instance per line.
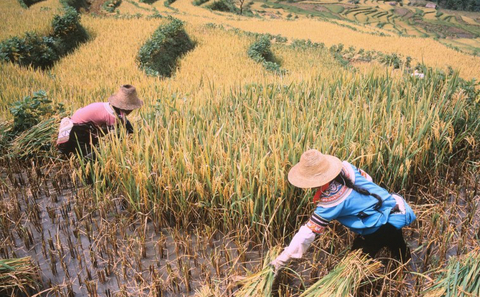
[95, 113]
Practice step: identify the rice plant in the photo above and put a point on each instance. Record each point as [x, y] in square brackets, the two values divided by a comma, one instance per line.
[347, 276]
[260, 283]
[460, 278]
[18, 274]
[36, 142]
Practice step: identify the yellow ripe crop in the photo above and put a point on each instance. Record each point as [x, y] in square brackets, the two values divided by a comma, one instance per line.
[16, 20]
[218, 137]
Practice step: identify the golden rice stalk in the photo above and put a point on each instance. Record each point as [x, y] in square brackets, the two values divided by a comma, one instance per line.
[208, 291]
[346, 278]
[37, 141]
[461, 277]
[260, 283]
[18, 274]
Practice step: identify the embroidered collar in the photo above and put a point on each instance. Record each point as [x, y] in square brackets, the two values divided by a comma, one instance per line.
[319, 192]
[336, 193]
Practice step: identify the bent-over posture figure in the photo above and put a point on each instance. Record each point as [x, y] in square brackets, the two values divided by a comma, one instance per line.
[80, 132]
[348, 195]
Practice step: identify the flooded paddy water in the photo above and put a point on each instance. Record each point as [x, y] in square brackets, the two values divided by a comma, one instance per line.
[84, 247]
[88, 249]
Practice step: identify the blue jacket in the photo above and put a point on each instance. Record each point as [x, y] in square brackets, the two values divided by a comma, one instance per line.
[357, 211]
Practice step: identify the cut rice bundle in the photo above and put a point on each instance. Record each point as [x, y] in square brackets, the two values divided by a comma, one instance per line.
[346, 277]
[460, 278]
[260, 283]
[18, 274]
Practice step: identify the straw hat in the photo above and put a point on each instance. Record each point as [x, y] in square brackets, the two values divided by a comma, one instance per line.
[126, 98]
[314, 170]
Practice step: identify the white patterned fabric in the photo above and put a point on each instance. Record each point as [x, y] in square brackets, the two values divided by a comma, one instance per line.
[66, 126]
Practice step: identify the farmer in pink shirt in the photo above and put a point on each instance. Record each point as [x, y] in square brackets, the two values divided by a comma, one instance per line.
[80, 132]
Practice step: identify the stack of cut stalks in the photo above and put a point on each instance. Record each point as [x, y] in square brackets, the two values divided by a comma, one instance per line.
[260, 283]
[346, 278]
[18, 275]
[460, 278]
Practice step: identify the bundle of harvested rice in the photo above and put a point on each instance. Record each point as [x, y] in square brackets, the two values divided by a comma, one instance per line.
[460, 278]
[346, 277]
[260, 283]
[18, 274]
[37, 141]
[5, 132]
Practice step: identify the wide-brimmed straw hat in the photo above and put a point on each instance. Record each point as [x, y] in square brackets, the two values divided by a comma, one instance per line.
[126, 98]
[314, 170]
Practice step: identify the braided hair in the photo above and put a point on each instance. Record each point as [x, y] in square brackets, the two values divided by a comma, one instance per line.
[342, 179]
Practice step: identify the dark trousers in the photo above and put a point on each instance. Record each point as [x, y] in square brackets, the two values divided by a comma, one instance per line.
[387, 236]
[82, 138]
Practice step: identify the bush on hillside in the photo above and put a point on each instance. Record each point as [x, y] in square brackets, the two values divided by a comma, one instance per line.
[77, 4]
[28, 3]
[68, 33]
[30, 49]
[44, 51]
[260, 52]
[168, 2]
[110, 5]
[148, 1]
[222, 5]
[159, 55]
[199, 2]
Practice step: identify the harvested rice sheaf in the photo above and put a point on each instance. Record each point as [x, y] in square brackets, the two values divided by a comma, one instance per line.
[460, 278]
[18, 274]
[260, 283]
[36, 141]
[346, 277]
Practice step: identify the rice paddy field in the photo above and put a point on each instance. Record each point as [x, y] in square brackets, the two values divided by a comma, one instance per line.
[196, 201]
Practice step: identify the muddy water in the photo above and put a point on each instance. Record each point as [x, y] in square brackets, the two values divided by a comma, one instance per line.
[84, 248]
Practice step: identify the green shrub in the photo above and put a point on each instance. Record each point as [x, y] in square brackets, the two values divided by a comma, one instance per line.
[31, 133]
[77, 4]
[110, 5]
[148, 1]
[260, 52]
[222, 5]
[391, 60]
[32, 110]
[28, 3]
[199, 2]
[168, 2]
[29, 50]
[68, 33]
[44, 51]
[159, 55]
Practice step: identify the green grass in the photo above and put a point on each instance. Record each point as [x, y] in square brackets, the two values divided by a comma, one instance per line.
[335, 8]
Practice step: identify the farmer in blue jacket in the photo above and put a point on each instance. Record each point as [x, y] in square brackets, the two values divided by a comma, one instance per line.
[348, 195]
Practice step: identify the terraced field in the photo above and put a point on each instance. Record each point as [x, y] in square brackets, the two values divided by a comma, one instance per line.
[194, 200]
[398, 19]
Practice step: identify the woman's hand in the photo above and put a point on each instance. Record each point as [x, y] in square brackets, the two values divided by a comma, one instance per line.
[280, 262]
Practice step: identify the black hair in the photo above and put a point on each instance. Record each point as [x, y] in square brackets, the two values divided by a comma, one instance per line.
[341, 178]
[119, 110]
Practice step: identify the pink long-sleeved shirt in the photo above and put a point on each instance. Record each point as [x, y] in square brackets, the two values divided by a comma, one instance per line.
[99, 113]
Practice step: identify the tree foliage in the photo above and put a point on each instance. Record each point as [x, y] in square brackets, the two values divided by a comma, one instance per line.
[467, 5]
